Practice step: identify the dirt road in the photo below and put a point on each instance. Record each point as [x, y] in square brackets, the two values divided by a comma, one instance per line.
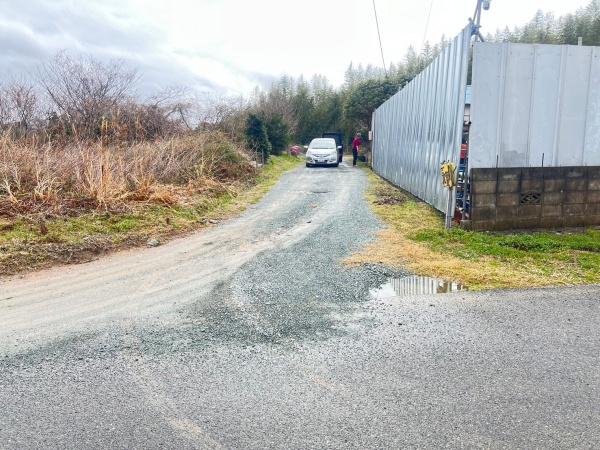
[253, 334]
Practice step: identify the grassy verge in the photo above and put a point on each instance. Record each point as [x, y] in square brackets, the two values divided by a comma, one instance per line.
[416, 239]
[24, 246]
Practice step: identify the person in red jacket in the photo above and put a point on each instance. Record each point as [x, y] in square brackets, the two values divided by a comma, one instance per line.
[355, 146]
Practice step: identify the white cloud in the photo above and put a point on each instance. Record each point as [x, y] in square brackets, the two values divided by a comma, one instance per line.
[233, 45]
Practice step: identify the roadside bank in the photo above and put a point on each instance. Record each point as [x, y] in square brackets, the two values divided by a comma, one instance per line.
[27, 244]
[415, 239]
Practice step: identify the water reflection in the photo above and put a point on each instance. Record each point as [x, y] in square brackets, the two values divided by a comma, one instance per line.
[415, 285]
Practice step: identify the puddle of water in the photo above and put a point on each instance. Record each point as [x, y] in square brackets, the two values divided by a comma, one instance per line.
[415, 285]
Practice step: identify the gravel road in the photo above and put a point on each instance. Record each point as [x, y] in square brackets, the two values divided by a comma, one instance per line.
[253, 335]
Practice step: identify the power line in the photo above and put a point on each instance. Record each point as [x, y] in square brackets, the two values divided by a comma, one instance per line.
[379, 35]
[427, 23]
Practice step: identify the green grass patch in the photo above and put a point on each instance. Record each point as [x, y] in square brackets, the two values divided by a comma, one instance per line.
[517, 245]
[480, 259]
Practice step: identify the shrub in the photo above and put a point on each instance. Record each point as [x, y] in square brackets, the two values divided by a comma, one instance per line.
[278, 133]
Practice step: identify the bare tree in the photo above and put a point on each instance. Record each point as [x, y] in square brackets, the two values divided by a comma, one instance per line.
[175, 104]
[214, 111]
[84, 90]
[85, 98]
[19, 106]
[24, 103]
[4, 108]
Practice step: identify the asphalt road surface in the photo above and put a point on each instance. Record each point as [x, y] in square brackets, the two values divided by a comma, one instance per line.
[253, 335]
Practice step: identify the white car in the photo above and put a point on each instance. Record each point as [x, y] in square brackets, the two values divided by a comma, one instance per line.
[322, 152]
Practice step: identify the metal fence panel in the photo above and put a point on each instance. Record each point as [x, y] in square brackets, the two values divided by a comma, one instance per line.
[534, 105]
[591, 149]
[544, 94]
[421, 126]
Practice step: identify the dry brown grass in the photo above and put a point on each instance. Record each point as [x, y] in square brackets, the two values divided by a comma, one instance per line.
[64, 179]
[28, 242]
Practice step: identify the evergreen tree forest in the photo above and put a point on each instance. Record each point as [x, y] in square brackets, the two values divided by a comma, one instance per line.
[544, 28]
[295, 110]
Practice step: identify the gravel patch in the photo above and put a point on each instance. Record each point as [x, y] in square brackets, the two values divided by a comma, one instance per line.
[276, 344]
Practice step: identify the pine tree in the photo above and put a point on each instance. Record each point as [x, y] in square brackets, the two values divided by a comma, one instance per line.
[303, 106]
[412, 63]
[278, 133]
[349, 76]
[256, 136]
[568, 30]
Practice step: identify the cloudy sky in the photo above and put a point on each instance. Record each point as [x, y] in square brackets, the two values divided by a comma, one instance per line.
[233, 45]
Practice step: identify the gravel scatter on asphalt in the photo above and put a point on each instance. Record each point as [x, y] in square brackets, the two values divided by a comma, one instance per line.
[254, 335]
[294, 291]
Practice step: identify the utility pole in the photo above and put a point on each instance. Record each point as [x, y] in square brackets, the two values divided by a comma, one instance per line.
[476, 20]
[449, 169]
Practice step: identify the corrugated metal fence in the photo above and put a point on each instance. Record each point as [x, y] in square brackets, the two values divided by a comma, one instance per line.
[535, 105]
[421, 126]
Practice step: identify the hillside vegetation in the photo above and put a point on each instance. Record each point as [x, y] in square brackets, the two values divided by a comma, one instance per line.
[86, 167]
[66, 205]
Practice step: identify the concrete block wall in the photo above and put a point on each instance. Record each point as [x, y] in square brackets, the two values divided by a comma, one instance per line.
[535, 197]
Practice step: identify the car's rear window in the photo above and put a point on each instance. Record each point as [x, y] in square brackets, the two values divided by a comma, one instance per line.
[322, 143]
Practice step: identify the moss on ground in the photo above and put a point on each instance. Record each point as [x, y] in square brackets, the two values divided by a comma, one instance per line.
[417, 240]
[24, 247]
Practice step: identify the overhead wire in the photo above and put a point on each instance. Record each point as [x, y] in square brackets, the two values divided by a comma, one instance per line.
[379, 35]
[427, 23]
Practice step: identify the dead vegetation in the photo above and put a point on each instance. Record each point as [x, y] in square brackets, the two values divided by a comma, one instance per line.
[65, 228]
[87, 167]
[384, 195]
[77, 139]
[71, 203]
[56, 180]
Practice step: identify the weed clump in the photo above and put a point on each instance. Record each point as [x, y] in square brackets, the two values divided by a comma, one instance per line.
[78, 177]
